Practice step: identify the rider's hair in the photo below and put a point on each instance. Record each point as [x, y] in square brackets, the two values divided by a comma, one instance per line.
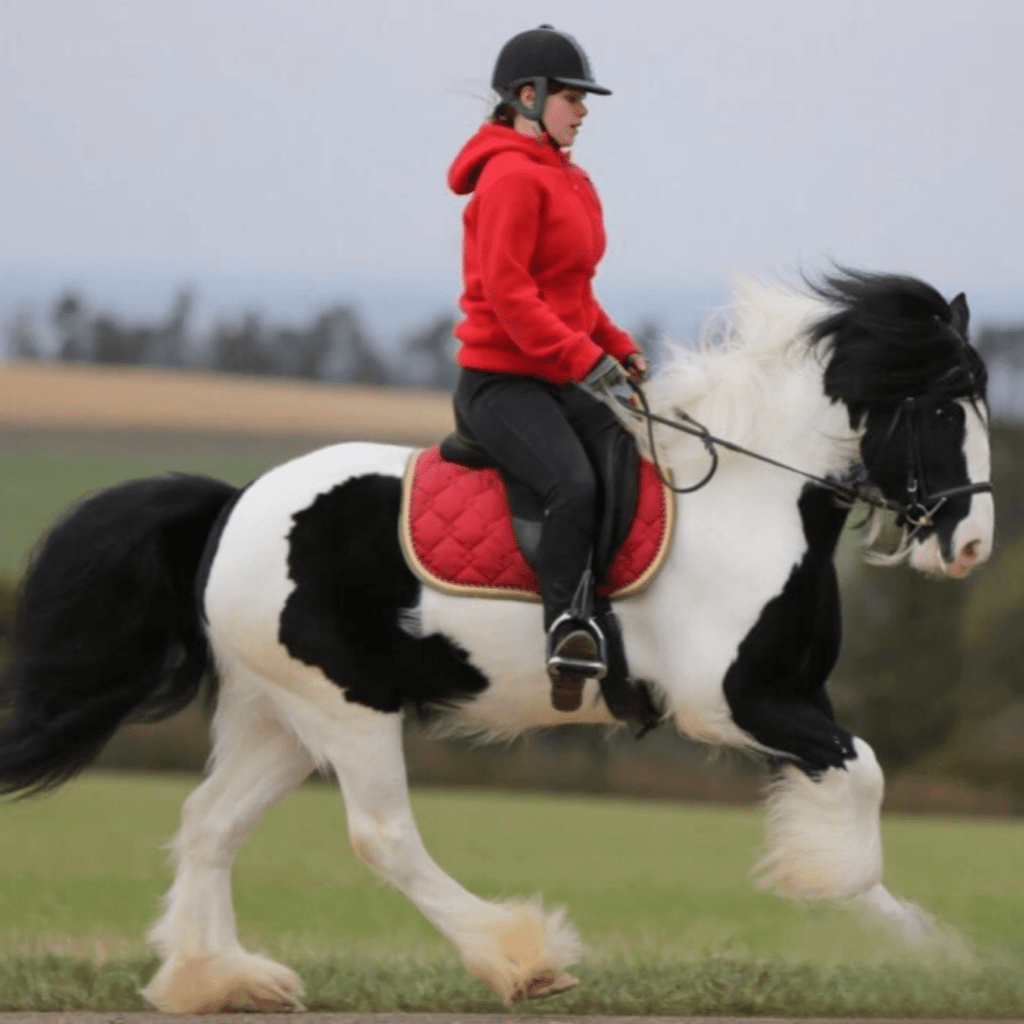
[504, 113]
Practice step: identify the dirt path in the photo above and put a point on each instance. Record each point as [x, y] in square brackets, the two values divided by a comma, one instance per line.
[428, 1018]
[61, 395]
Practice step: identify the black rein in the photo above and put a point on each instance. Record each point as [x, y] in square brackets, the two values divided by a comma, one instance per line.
[918, 511]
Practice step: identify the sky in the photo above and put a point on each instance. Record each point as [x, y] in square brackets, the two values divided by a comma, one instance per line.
[309, 139]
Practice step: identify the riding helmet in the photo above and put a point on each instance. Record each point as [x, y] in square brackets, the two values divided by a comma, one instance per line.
[539, 56]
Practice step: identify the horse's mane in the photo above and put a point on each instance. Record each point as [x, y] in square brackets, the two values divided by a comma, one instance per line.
[749, 365]
[875, 339]
[891, 337]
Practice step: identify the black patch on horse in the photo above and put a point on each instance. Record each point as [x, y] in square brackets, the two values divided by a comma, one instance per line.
[776, 685]
[351, 586]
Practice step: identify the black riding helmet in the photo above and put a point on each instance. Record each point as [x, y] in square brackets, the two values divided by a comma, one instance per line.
[537, 57]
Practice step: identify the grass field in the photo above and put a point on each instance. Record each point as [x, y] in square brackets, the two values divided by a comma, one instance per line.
[43, 472]
[658, 891]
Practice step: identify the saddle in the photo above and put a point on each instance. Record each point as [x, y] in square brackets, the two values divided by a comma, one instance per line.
[466, 530]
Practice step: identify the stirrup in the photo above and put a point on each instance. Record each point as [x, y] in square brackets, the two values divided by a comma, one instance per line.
[580, 651]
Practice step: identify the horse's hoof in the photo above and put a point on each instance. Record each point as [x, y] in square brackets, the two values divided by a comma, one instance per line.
[225, 983]
[243, 1000]
[546, 983]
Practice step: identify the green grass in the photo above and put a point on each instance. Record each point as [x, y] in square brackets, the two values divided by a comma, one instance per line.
[38, 481]
[658, 891]
[44, 471]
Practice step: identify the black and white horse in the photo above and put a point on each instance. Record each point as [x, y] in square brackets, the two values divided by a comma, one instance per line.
[296, 592]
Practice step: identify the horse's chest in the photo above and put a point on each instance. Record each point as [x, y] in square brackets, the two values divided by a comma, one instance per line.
[730, 558]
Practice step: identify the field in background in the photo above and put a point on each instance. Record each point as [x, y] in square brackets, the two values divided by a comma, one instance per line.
[43, 472]
[659, 893]
[82, 396]
[68, 430]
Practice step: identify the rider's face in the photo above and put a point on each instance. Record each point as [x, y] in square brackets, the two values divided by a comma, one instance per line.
[563, 114]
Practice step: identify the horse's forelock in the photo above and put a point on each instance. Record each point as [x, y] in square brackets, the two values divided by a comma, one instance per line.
[894, 336]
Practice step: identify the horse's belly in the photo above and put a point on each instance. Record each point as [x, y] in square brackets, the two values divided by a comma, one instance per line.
[504, 640]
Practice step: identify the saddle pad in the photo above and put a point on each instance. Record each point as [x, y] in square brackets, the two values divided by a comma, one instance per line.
[456, 532]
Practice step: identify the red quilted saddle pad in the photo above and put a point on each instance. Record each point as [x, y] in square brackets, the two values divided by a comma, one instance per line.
[457, 532]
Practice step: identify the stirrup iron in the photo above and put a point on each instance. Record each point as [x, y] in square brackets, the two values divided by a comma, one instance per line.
[573, 655]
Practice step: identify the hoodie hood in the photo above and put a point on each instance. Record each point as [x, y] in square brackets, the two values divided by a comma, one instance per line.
[490, 141]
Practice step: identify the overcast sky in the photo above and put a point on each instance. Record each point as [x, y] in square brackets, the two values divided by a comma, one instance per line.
[312, 137]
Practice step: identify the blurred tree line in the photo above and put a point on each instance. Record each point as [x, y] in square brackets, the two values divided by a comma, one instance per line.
[333, 346]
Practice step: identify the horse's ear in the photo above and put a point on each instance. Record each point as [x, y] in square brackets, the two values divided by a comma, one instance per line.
[960, 315]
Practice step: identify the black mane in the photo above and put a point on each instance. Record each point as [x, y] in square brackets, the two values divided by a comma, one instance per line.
[893, 337]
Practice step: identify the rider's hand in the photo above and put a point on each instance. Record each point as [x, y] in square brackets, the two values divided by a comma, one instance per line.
[606, 374]
[636, 368]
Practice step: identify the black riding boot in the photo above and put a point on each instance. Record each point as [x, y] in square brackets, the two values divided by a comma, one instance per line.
[627, 699]
[576, 649]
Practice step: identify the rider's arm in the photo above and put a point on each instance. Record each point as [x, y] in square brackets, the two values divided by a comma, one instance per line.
[614, 340]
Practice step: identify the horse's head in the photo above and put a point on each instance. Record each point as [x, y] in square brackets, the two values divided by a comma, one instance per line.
[900, 359]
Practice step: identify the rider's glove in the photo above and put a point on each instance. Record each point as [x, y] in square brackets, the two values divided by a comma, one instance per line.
[606, 374]
[635, 366]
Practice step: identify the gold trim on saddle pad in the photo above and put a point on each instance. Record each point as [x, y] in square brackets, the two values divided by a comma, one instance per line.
[510, 593]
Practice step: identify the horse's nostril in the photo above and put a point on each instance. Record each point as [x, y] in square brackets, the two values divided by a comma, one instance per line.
[971, 551]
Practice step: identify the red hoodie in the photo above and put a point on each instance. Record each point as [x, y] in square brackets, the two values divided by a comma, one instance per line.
[533, 238]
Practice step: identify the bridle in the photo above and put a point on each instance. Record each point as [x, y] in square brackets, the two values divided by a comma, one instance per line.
[922, 504]
[915, 514]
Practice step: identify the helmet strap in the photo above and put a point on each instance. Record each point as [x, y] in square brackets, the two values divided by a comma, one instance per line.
[536, 112]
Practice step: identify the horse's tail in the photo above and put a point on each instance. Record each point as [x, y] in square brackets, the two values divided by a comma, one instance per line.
[108, 627]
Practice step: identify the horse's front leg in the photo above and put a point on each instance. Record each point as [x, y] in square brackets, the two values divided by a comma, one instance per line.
[513, 946]
[824, 839]
[823, 822]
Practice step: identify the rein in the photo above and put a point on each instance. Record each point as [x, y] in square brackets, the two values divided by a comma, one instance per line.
[918, 511]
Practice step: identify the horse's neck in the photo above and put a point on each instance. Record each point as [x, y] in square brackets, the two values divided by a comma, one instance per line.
[774, 407]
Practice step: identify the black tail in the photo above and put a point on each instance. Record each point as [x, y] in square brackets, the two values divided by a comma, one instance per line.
[107, 629]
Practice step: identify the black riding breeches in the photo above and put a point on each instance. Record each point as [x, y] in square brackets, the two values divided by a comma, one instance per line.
[549, 438]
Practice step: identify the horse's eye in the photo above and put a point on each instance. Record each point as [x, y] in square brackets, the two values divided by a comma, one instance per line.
[947, 416]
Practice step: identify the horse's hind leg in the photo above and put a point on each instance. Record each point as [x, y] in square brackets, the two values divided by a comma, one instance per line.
[513, 946]
[255, 763]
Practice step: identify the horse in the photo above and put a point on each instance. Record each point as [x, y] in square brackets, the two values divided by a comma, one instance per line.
[293, 594]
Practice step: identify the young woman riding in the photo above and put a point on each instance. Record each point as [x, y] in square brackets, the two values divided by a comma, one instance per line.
[533, 331]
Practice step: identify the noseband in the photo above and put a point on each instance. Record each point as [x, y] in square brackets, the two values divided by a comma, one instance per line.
[915, 514]
[922, 505]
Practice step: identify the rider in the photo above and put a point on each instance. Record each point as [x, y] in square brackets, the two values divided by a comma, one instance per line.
[533, 236]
